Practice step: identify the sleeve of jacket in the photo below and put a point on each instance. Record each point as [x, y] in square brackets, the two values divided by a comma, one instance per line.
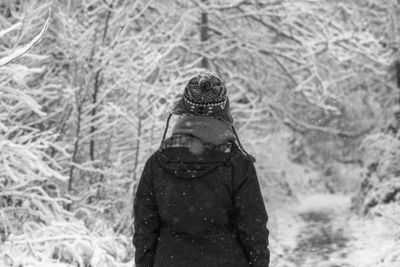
[251, 219]
[147, 220]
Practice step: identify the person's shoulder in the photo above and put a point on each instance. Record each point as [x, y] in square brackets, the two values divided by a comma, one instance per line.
[238, 157]
[152, 157]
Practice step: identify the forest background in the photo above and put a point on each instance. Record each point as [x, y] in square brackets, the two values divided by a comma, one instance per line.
[86, 86]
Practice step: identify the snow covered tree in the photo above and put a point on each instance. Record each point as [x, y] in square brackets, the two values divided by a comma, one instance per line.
[86, 87]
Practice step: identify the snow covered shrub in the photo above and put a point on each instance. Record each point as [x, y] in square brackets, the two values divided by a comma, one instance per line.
[29, 182]
[30, 177]
[381, 184]
[67, 244]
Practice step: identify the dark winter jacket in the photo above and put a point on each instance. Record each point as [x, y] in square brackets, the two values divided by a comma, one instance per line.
[200, 210]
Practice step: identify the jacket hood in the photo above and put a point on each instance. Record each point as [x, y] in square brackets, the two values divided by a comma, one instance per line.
[183, 163]
[206, 128]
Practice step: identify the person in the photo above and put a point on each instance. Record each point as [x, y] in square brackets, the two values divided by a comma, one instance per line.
[198, 202]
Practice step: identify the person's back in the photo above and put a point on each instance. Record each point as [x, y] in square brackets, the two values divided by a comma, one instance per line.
[198, 202]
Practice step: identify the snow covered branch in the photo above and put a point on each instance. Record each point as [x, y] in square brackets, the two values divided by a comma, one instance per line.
[25, 48]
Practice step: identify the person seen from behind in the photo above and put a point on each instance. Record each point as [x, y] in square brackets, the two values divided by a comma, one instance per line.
[198, 202]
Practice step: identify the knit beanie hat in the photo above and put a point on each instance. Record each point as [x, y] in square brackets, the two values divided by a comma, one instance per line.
[204, 94]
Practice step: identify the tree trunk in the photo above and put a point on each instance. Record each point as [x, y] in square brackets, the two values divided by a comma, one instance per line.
[96, 91]
[204, 36]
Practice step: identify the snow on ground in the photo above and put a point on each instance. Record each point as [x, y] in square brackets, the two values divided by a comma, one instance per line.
[311, 229]
[321, 230]
[323, 240]
[323, 202]
[284, 226]
[375, 241]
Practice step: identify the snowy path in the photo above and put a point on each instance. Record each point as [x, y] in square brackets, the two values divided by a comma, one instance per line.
[323, 241]
[322, 231]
